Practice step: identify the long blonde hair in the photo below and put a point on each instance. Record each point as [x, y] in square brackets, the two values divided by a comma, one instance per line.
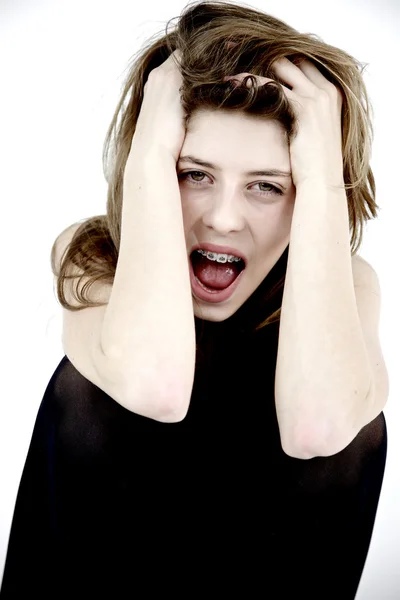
[219, 38]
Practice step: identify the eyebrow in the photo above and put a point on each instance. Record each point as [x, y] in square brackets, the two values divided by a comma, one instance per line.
[208, 165]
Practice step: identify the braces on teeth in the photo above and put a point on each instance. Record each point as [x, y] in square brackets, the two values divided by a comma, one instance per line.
[221, 258]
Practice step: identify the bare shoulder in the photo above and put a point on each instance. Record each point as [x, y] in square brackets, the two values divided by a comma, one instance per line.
[81, 329]
[99, 291]
[363, 273]
[63, 241]
[359, 261]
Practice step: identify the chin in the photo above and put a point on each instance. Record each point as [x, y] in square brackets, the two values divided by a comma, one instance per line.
[216, 313]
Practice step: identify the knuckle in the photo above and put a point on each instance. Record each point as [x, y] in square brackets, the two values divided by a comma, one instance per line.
[323, 94]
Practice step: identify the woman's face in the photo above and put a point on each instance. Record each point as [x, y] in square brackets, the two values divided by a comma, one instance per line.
[224, 206]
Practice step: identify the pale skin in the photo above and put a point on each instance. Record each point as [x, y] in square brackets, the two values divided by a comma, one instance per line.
[229, 207]
[309, 426]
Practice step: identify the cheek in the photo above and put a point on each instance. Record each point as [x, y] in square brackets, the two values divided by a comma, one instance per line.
[188, 217]
[280, 221]
[191, 228]
[271, 239]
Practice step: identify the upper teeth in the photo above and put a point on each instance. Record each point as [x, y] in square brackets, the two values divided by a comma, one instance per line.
[222, 258]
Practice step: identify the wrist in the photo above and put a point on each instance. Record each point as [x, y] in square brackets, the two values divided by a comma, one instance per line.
[144, 158]
[318, 181]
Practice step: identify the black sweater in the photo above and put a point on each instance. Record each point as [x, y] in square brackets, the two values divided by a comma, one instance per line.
[115, 505]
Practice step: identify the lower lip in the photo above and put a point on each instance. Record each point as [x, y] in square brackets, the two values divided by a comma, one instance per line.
[212, 296]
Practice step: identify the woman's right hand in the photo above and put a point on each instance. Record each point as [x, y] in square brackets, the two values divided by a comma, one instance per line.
[161, 119]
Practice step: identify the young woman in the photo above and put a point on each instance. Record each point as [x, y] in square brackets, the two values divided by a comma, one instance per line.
[184, 310]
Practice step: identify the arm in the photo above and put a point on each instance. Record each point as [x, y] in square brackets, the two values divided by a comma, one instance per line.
[149, 323]
[323, 373]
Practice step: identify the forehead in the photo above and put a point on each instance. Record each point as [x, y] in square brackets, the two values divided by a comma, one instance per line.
[233, 136]
[224, 117]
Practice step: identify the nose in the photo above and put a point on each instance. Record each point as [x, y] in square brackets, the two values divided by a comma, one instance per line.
[224, 216]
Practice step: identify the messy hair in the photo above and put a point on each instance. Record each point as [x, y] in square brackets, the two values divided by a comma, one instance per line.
[220, 38]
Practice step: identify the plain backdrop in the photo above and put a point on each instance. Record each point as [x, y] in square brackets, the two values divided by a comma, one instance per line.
[62, 66]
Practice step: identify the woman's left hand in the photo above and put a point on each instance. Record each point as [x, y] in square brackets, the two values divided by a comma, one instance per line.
[316, 150]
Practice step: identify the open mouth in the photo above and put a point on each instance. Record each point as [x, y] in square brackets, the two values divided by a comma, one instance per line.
[215, 275]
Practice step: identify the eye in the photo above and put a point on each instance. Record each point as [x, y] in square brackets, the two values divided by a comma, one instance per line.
[275, 190]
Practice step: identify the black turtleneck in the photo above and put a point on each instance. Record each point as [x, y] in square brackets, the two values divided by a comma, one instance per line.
[112, 504]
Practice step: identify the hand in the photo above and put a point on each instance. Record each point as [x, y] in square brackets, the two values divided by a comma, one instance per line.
[161, 120]
[316, 150]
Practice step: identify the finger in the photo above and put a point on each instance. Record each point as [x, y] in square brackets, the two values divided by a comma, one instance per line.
[304, 76]
[239, 78]
[260, 81]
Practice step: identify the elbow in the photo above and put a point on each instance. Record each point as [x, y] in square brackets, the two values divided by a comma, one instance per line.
[171, 407]
[173, 403]
[307, 443]
[166, 406]
[170, 412]
[297, 441]
[296, 451]
[302, 451]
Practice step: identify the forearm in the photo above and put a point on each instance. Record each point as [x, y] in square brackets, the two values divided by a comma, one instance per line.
[149, 324]
[323, 371]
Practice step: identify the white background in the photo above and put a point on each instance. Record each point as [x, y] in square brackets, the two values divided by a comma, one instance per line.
[62, 66]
